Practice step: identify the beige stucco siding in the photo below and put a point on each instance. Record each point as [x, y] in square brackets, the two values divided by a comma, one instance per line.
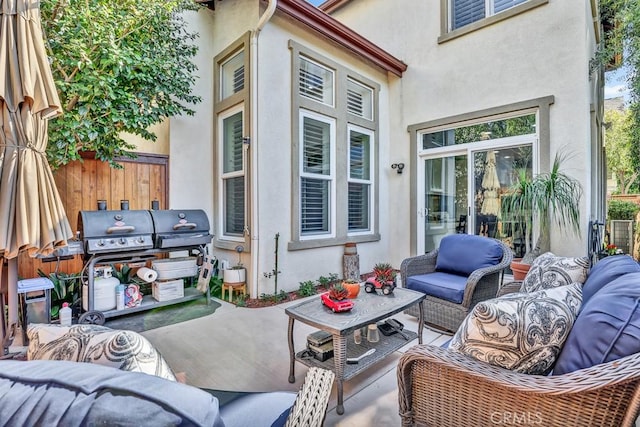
[544, 51]
[275, 122]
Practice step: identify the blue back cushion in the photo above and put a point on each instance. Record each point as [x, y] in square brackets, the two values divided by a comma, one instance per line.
[606, 271]
[606, 329]
[464, 253]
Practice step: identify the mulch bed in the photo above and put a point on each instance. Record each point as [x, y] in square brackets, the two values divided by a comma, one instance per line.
[268, 302]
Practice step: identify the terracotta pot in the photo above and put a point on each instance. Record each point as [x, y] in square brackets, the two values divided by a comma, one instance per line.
[352, 288]
[519, 269]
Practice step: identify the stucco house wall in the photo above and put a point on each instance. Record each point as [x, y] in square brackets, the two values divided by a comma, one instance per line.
[542, 52]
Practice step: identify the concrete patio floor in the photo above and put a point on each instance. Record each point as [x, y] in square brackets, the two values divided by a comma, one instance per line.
[245, 349]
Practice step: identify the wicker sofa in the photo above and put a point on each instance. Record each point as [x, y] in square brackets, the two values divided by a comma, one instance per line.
[463, 271]
[596, 378]
[93, 375]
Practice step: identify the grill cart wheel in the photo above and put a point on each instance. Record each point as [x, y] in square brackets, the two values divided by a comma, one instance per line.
[92, 318]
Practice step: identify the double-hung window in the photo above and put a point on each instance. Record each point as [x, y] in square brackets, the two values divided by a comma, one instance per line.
[335, 111]
[231, 108]
[317, 176]
[360, 181]
[232, 183]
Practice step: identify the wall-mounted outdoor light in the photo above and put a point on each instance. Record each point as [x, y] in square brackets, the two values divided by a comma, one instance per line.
[398, 167]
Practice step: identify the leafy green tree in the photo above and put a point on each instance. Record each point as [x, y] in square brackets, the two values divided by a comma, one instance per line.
[622, 39]
[119, 66]
[619, 148]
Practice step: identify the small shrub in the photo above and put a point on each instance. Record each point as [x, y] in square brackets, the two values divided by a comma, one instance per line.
[622, 210]
[307, 289]
[215, 286]
[326, 281]
[241, 300]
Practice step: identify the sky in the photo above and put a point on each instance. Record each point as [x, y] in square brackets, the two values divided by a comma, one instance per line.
[615, 84]
[316, 2]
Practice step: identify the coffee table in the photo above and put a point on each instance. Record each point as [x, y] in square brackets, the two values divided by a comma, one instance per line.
[368, 309]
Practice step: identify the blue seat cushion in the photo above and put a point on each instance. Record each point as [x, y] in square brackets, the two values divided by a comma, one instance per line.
[606, 271]
[462, 254]
[606, 329]
[441, 285]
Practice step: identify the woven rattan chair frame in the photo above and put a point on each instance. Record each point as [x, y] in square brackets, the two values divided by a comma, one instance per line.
[311, 403]
[482, 284]
[438, 387]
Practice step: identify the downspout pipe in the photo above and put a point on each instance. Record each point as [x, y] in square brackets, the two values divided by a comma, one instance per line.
[253, 100]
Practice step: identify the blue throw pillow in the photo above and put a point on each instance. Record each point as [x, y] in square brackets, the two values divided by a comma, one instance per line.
[606, 329]
[462, 254]
[606, 271]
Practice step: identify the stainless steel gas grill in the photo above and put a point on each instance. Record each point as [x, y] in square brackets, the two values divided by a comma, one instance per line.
[115, 231]
[135, 237]
[180, 228]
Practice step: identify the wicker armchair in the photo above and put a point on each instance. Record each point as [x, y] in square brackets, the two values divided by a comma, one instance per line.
[481, 285]
[437, 387]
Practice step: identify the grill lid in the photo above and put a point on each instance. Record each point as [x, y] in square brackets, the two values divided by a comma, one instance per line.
[178, 228]
[115, 231]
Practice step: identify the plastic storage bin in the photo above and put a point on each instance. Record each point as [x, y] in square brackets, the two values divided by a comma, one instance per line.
[175, 268]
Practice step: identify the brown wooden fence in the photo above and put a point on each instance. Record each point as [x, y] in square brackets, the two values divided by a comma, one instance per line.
[82, 183]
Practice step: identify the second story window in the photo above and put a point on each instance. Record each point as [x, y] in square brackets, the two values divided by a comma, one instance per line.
[465, 12]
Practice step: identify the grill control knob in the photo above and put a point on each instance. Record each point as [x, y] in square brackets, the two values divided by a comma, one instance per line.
[141, 240]
[100, 242]
[123, 241]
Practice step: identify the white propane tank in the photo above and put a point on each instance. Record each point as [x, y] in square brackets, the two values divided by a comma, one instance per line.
[104, 294]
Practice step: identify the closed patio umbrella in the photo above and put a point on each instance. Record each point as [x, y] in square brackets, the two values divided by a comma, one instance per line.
[32, 217]
[491, 186]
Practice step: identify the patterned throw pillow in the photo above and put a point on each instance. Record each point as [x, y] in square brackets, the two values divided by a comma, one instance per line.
[520, 332]
[550, 271]
[126, 350]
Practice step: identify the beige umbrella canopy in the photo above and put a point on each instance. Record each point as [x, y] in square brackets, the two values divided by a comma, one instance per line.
[32, 217]
[491, 186]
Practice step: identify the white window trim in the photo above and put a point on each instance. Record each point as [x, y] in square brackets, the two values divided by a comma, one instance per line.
[371, 181]
[241, 173]
[331, 177]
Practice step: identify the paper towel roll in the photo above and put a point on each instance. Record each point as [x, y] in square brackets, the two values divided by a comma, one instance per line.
[147, 274]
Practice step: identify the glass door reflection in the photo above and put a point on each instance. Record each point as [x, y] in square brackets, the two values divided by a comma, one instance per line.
[445, 198]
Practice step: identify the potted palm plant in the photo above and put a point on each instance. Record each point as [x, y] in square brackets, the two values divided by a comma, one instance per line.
[546, 199]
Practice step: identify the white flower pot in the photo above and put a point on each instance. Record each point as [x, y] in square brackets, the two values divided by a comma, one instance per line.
[234, 275]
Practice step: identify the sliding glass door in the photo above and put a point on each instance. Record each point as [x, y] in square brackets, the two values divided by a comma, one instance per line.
[445, 198]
